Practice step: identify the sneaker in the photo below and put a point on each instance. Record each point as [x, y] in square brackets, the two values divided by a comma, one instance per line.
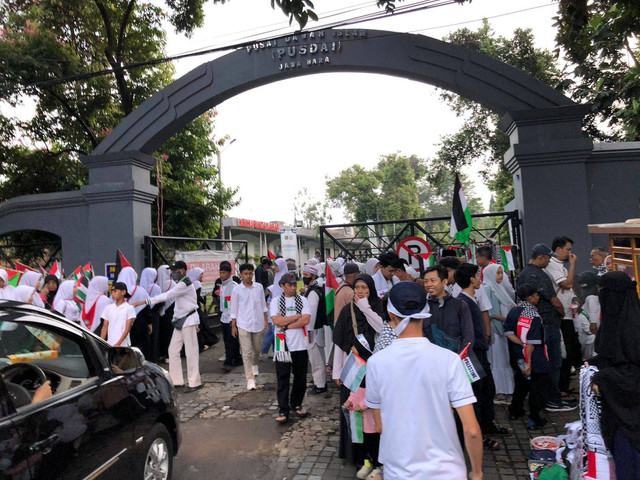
[313, 390]
[365, 470]
[255, 370]
[222, 358]
[536, 425]
[251, 384]
[561, 407]
[376, 471]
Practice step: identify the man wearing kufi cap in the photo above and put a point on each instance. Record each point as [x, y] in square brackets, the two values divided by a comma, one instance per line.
[412, 385]
[315, 300]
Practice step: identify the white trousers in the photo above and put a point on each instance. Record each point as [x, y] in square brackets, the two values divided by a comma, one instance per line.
[318, 365]
[189, 338]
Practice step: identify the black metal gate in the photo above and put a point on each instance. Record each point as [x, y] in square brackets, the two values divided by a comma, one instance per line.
[161, 250]
[363, 240]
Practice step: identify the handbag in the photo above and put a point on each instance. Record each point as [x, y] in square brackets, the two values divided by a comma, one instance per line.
[178, 323]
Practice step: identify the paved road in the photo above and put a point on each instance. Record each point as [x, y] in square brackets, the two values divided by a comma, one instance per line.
[230, 433]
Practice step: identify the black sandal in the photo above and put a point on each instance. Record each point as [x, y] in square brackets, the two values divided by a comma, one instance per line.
[301, 412]
[490, 444]
[282, 418]
[498, 430]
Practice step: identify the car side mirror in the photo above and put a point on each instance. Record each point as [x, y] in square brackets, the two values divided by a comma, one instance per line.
[125, 360]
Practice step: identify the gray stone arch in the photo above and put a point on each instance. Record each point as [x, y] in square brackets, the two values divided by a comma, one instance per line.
[544, 128]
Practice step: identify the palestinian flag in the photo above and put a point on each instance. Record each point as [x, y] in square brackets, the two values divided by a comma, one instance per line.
[56, 270]
[471, 255]
[330, 288]
[121, 262]
[227, 302]
[21, 267]
[272, 257]
[77, 274]
[81, 292]
[13, 277]
[429, 259]
[461, 222]
[357, 431]
[508, 263]
[87, 271]
[280, 342]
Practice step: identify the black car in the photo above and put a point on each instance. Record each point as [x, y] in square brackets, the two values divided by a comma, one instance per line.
[112, 414]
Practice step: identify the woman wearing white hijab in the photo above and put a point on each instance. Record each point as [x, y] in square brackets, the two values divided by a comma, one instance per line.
[147, 281]
[97, 300]
[281, 269]
[165, 283]
[63, 302]
[498, 353]
[27, 294]
[370, 266]
[6, 290]
[31, 279]
[140, 330]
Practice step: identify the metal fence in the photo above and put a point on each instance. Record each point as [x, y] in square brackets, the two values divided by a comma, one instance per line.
[362, 240]
[161, 250]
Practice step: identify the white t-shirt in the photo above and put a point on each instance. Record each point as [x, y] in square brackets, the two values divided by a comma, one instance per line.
[297, 339]
[415, 383]
[558, 274]
[248, 307]
[481, 297]
[117, 317]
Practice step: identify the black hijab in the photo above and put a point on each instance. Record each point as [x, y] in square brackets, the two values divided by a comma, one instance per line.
[618, 347]
[343, 334]
[51, 295]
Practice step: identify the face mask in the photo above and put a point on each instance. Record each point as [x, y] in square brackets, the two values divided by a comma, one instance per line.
[176, 276]
[306, 280]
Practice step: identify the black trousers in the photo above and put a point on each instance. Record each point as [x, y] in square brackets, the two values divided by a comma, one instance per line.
[298, 366]
[574, 355]
[520, 391]
[485, 391]
[139, 334]
[231, 346]
[371, 448]
[154, 338]
[538, 395]
[165, 331]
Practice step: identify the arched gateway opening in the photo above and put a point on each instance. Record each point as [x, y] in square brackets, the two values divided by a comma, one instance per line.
[552, 162]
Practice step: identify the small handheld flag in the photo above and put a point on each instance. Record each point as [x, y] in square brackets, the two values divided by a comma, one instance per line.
[13, 277]
[353, 372]
[331, 286]
[506, 252]
[272, 257]
[461, 222]
[21, 267]
[121, 262]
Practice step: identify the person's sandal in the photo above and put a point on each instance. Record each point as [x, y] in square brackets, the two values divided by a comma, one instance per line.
[301, 412]
[498, 430]
[490, 444]
[282, 418]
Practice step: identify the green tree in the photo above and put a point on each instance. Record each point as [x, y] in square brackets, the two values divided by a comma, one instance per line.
[478, 141]
[357, 191]
[600, 39]
[39, 42]
[312, 213]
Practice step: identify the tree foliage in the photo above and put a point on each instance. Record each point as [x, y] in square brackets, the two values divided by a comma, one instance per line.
[478, 142]
[39, 42]
[311, 213]
[600, 39]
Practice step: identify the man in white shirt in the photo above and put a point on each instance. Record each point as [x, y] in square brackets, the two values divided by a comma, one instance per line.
[185, 332]
[118, 318]
[317, 309]
[290, 315]
[412, 386]
[249, 321]
[563, 280]
[383, 278]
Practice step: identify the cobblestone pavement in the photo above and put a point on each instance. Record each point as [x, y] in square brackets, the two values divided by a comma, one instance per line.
[307, 449]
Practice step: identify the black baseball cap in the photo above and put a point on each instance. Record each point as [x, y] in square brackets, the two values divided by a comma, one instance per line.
[408, 298]
[542, 249]
[288, 278]
[179, 265]
[121, 286]
[225, 266]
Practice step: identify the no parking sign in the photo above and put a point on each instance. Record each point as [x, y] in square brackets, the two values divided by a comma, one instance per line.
[411, 248]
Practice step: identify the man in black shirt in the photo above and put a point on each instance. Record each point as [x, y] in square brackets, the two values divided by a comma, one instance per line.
[551, 312]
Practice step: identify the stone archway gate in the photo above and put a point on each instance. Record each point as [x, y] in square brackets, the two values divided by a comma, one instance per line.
[561, 182]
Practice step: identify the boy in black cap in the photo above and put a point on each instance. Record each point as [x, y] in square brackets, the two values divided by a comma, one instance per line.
[290, 315]
[118, 318]
[412, 385]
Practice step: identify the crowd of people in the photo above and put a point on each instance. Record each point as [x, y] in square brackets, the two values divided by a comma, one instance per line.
[418, 402]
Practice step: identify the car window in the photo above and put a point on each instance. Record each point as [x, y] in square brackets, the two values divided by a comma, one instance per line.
[60, 356]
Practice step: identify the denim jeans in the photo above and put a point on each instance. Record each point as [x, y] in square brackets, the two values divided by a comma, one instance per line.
[268, 340]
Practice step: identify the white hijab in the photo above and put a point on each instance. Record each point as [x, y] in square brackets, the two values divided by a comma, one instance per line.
[194, 276]
[370, 266]
[26, 294]
[489, 280]
[64, 297]
[275, 289]
[6, 292]
[30, 279]
[98, 295]
[129, 277]
[147, 281]
[165, 283]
